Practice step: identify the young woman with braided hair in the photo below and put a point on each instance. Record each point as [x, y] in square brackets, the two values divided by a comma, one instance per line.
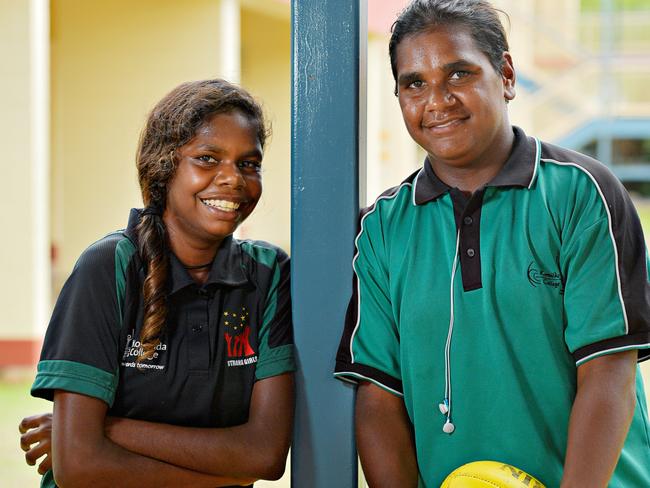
[169, 354]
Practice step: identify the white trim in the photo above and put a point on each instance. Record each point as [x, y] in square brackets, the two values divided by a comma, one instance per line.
[611, 231]
[415, 184]
[356, 255]
[339, 375]
[39, 11]
[538, 154]
[612, 351]
[229, 40]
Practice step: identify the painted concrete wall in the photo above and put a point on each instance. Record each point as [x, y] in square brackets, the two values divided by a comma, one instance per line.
[111, 61]
[266, 72]
[17, 195]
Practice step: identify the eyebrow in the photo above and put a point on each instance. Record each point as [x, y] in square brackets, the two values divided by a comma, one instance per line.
[410, 77]
[456, 65]
[218, 150]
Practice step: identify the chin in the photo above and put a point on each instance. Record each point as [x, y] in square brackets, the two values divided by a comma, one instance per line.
[220, 233]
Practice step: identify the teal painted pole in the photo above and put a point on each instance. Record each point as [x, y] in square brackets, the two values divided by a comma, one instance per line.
[324, 207]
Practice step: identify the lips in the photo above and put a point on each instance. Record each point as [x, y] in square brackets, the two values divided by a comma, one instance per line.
[443, 124]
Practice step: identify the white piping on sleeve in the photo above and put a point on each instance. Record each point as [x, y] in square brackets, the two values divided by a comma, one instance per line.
[343, 375]
[538, 153]
[356, 255]
[611, 231]
[415, 184]
[613, 350]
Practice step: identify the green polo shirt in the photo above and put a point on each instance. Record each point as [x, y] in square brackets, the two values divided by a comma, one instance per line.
[493, 301]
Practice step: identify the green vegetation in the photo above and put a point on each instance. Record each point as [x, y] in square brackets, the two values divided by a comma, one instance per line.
[16, 404]
[620, 5]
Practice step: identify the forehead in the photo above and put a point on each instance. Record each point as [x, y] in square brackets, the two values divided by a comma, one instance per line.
[435, 48]
[228, 124]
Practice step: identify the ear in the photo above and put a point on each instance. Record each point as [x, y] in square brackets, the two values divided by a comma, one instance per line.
[509, 77]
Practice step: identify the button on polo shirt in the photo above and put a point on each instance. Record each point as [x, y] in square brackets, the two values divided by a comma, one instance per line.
[219, 338]
[539, 271]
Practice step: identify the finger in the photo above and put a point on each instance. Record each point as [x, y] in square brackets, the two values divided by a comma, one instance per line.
[45, 465]
[26, 441]
[33, 421]
[39, 450]
[32, 437]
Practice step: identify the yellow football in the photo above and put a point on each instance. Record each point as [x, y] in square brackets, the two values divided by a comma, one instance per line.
[490, 474]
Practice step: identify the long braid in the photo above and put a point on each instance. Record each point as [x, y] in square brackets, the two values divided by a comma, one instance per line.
[152, 243]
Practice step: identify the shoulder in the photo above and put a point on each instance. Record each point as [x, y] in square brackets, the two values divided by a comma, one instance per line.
[565, 166]
[262, 253]
[585, 184]
[113, 250]
[392, 201]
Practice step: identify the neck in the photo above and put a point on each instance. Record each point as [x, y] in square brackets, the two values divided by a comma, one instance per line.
[471, 176]
[193, 254]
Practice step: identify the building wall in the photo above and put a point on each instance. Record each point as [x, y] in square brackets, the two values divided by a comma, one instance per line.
[17, 313]
[111, 61]
[266, 72]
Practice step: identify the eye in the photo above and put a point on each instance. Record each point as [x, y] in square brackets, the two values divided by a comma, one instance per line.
[207, 159]
[416, 84]
[250, 165]
[459, 75]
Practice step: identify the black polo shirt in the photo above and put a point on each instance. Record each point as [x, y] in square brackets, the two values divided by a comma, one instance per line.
[219, 339]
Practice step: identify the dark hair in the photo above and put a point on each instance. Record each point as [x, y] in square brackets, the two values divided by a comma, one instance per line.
[172, 123]
[479, 16]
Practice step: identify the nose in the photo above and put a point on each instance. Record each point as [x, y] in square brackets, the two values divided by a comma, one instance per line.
[229, 174]
[439, 98]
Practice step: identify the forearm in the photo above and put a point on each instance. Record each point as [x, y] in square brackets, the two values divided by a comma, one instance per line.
[256, 449]
[384, 439]
[82, 456]
[599, 422]
[229, 451]
[107, 465]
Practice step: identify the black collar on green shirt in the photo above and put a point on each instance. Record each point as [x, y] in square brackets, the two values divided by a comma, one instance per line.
[518, 170]
[227, 267]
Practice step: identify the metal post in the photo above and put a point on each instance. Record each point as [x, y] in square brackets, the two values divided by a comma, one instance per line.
[325, 198]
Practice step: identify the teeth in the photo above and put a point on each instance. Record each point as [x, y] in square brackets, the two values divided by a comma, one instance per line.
[222, 205]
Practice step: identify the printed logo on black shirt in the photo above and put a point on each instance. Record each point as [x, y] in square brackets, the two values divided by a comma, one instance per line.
[133, 349]
[237, 334]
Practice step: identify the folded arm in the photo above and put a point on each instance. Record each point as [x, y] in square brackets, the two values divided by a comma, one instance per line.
[78, 427]
[257, 449]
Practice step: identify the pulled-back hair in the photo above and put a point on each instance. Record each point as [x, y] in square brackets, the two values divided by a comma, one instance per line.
[479, 16]
[172, 123]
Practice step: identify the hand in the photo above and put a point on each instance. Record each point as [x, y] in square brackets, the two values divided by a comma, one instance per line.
[36, 440]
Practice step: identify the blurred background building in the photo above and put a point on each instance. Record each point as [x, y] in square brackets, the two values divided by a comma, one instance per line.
[79, 76]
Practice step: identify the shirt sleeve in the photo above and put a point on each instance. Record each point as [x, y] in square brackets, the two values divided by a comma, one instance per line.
[604, 261]
[80, 349]
[276, 355]
[370, 347]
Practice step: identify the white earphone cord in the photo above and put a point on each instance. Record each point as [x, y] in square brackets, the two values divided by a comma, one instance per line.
[445, 407]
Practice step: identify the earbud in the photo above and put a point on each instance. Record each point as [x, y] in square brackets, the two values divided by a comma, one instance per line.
[444, 407]
[448, 428]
